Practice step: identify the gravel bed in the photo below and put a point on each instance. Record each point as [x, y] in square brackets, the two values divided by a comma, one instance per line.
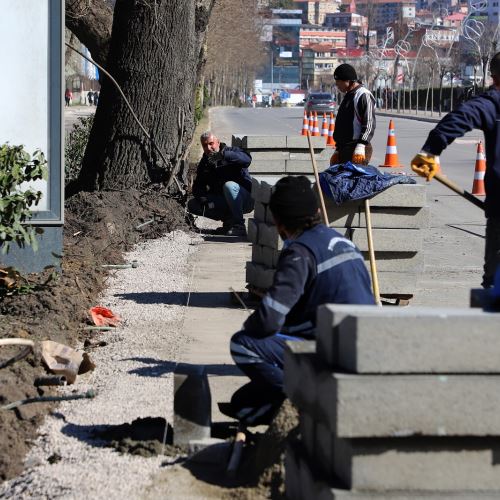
[133, 379]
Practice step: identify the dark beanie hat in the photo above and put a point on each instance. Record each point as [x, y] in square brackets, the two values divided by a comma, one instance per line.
[293, 197]
[345, 72]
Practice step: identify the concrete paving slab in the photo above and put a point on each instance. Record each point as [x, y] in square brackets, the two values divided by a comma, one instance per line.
[259, 275]
[268, 154]
[303, 481]
[396, 283]
[409, 405]
[400, 218]
[301, 142]
[299, 166]
[262, 189]
[399, 195]
[435, 464]
[212, 319]
[420, 340]
[389, 240]
[269, 237]
[268, 167]
[263, 141]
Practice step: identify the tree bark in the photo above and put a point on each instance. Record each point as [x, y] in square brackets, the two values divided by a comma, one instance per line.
[91, 21]
[156, 56]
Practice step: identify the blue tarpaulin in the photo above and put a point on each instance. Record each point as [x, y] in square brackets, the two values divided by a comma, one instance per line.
[347, 181]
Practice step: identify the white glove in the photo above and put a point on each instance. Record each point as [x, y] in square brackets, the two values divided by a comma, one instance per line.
[359, 154]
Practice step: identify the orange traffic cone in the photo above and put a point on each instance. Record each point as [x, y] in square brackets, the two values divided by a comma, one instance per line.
[311, 122]
[330, 141]
[480, 170]
[305, 124]
[391, 153]
[315, 132]
[324, 127]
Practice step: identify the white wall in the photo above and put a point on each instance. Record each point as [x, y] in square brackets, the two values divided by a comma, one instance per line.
[24, 80]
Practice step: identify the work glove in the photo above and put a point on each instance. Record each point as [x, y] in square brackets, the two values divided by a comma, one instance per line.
[334, 159]
[426, 165]
[359, 154]
[215, 159]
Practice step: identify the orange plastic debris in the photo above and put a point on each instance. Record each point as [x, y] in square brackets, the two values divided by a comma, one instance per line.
[102, 316]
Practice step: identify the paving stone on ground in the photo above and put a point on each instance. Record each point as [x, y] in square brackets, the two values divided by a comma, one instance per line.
[211, 318]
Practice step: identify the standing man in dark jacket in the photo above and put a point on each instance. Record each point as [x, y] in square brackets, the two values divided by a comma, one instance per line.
[222, 186]
[317, 266]
[482, 112]
[355, 121]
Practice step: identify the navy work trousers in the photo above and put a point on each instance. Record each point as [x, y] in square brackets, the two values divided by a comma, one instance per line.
[261, 359]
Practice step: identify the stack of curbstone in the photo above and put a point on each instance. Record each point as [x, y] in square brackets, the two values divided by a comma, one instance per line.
[399, 218]
[282, 155]
[272, 158]
[396, 403]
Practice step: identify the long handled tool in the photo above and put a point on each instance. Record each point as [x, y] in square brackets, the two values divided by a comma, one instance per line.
[454, 187]
[235, 459]
[371, 253]
[316, 175]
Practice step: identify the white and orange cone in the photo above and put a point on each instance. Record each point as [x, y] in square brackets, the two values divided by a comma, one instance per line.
[311, 122]
[305, 124]
[331, 128]
[480, 170]
[391, 153]
[315, 132]
[324, 127]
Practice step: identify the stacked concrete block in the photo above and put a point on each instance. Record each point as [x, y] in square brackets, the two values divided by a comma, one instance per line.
[399, 214]
[399, 218]
[396, 403]
[283, 155]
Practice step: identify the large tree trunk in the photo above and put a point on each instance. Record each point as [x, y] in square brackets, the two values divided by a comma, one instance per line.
[156, 56]
[91, 21]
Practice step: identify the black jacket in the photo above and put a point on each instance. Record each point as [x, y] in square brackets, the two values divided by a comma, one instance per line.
[319, 267]
[233, 166]
[355, 121]
[481, 112]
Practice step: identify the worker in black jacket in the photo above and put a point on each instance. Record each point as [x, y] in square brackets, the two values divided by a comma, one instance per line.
[481, 112]
[222, 185]
[355, 121]
[316, 266]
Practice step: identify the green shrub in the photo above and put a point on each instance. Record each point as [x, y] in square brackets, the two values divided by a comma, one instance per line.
[16, 168]
[74, 148]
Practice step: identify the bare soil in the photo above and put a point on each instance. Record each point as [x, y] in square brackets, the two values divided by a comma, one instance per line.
[99, 227]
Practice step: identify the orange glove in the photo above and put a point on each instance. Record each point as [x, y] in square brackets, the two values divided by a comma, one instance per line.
[359, 154]
[425, 165]
[334, 159]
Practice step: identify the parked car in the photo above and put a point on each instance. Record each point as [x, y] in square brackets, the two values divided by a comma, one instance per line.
[320, 101]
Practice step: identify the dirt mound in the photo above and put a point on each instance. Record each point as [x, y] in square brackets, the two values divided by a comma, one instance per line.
[146, 437]
[99, 227]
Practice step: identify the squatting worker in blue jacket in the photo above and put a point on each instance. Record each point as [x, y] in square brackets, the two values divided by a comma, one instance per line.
[316, 266]
[355, 121]
[222, 185]
[482, 112]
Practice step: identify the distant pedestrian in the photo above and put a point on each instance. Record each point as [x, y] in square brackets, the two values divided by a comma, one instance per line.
[68, 96]
[90, 97]
[96, 98]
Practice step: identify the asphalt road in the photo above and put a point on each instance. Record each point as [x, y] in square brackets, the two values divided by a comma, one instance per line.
[454, 244]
